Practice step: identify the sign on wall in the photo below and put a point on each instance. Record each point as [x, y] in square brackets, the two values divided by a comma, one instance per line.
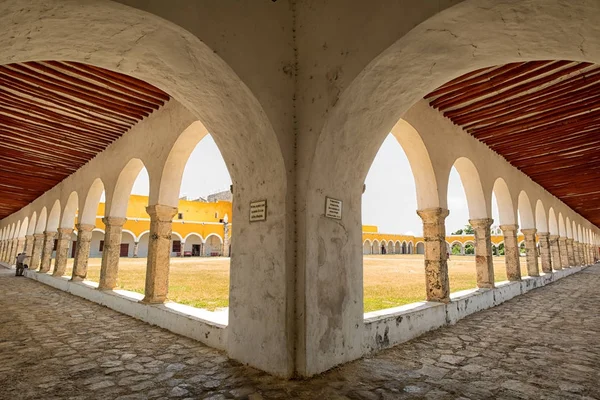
[258, 211]
[333, 208]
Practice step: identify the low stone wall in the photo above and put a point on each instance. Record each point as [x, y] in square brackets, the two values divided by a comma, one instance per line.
[204, 326]
[389, 327]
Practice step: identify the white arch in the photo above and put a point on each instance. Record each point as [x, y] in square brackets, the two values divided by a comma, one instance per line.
[469, 177]
[375, 247]
[561, 226]
[24, 227]
[579, 233]
[41, 223]
[68, 218]
[569, 228]
[552, 223]
[137, 239]
[54, 217]
[365, 242]
[172, 173]
[525, 211]
[120, 197]
[541, 223]
[200, 236]
[173, 233]
[92, 200]
[11, 232]
[127, 231]
[17, 230]
[98, 230]
[506, 210]
[213, 234]
[32, 224]
[420, 164]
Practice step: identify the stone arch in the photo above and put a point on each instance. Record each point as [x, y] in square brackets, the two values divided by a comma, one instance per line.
[139, 237]
[541, 223]
[420, 164]
[123, 187]
[367, 247]
[24, 227]
[552, 222]
[42, 221]
[398, 247]
[506, 209]
[376, 249]
[189, 235]
[525, 211]
[410, 248]
[173, 233]
[68, 217]
[92, 200]
[213, 234]
[562, 231]
[404, 248]
[420, 248]
[172, 173]
[569, 228]
[54, 217]
[469, 177]
[192, 239]
[32, 224]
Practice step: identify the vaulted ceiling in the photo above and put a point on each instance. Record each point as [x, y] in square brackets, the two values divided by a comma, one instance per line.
[56, 116]
[543, 117]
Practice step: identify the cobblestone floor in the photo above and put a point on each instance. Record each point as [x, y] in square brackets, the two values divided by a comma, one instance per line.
[543, 345]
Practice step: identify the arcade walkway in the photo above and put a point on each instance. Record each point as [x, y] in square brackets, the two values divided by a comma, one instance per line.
[543, 345]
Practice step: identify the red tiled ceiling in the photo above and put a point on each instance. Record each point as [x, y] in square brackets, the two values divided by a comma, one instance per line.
[543, 117]
[56, 116]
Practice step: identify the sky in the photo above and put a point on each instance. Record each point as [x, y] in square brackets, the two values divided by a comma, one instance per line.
[389, 200]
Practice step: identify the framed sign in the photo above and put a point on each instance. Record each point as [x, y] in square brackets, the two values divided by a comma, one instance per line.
[258, 211]
[333, 208]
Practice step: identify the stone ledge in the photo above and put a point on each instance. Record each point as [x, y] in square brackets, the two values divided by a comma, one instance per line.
[392, 326]
[202, 325]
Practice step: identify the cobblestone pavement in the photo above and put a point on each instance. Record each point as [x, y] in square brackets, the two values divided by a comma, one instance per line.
[543, 345]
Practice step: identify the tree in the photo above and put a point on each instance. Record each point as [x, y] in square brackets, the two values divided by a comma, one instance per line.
[458, 232]
[468, 230]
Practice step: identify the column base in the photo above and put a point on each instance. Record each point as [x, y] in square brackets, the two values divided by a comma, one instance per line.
[486, 286]
[153, 300]
[76, 279]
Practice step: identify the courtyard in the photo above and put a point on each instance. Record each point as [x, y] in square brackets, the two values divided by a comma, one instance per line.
[389, 280]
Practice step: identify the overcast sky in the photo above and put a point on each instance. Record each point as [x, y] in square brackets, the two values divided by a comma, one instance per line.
[389, 202]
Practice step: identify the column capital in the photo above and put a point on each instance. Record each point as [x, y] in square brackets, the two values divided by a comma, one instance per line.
[481, 222]
[529, 231]
[433, 215]
[29, 237]
[85, 227]
[570, 240]
[507, 228]
[543, 234]
[50, 233]
[38, 235]
[553, 237]
[65, 231]
[161, 213]
[562, 238]
[114, 221]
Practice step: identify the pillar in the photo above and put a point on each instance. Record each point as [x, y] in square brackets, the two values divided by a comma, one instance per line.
[28, 249]
[531, 252]
[484, 263]
[82, 251]
[555, 252]
[227, 240]
[36, 253]
[3, 249]
[436, 265]
[570, 254]
[62, 251]
[13, 252]
[588, 249]
[20, 246]
[564, 256]
[576, 258]
[111, 252]
[182, 252]
[581, 259]
[47, 249]
[136, 247]
[511, 252]
[159, 253]
[545, 253]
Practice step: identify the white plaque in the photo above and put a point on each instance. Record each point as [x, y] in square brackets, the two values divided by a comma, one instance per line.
[333, 208]
[258, 211]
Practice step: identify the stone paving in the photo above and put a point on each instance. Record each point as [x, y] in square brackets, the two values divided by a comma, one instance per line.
[543, 345]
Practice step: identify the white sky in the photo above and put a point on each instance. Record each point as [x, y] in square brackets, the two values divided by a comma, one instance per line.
[389, 201]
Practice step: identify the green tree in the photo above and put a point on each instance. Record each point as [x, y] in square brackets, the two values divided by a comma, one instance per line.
[468, 230]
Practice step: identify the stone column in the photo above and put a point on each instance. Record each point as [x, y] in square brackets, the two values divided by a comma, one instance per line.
[564, 256]
[47, 251]
[545, 252]
[182, 248]
[436, 264]
[36, 254]
[579, 254]
[28, 249]
[555, 251]
[159, 253]
[588, 249]
[2, 249]
[576, 252]
[62, 251]
[226, 239]
[484, 264]
[570, 253]
[511, 252]
[111, 252]
[13, 252]
[82, 251]
[531, 252]
[20, 246]
[136, 246]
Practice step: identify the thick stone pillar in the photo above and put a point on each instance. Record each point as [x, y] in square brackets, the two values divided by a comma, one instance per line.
[2, 250]
[36, 254]
[555, 251]
[564, 256]
[437, 284]
[62, 251]
[484, 264]
[20, 246]
[511, 252]
[545, 253]
[570, 253]
[576, 257]
[13, 252]
[82, 251]
[136, 248]
[28, 249]
[531, 252]
[580, 254]
[111, 252]
[588, 249]
[47, 250]
[159, 253]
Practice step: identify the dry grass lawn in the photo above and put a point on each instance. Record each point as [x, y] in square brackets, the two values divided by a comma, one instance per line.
[389, 281]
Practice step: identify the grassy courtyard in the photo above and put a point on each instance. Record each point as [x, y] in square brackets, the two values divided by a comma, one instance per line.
[389, 280]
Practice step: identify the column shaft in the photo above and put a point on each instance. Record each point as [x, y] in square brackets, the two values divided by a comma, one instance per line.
[484, 263]
[111, 252]
[555, 251]
[570, 253]
[564, 256]
[436, 264]
[531, 252]
[13, 252]
[28, 248]
[545, 253]
[62, 251]
[82, 251]
[511, 252]
[36, 253]
[20, 246]
[576, 258]
[159, 253]
[47, 250]
[136, 247]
